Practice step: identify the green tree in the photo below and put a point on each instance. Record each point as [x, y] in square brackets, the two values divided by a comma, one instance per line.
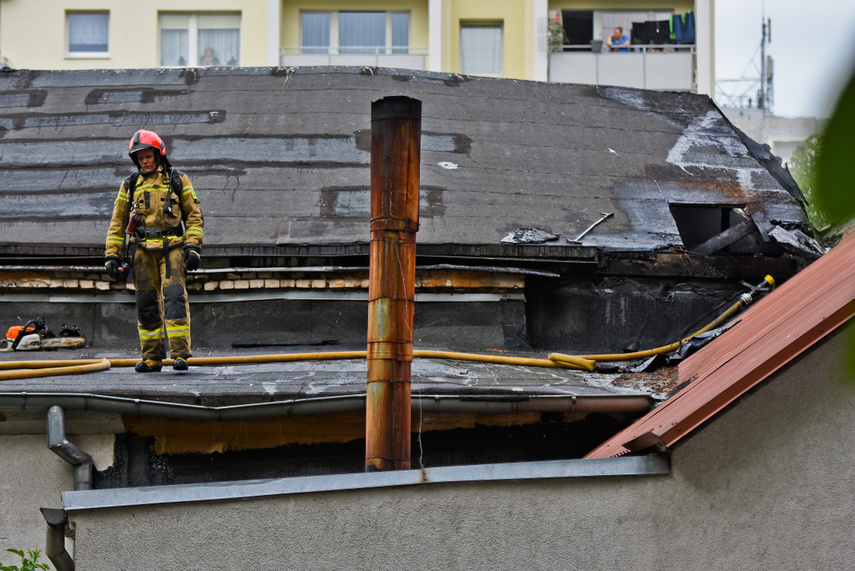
[557, 37]
[835, 189]
[803, 166]
[29, 561]
[834, 164]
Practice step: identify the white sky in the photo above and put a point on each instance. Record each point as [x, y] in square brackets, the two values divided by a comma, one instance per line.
[813, 48]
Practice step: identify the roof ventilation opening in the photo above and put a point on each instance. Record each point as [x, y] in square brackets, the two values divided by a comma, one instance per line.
[710, 229]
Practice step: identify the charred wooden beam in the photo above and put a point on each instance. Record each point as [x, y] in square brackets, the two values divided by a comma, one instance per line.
[726, 238]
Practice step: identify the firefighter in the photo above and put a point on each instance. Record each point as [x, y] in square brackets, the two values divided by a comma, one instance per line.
[158, 209]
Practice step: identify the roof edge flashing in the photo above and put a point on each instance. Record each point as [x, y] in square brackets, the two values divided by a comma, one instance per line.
[651, 465]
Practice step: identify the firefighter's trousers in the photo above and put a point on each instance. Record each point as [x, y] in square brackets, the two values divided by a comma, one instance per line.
[162, 308]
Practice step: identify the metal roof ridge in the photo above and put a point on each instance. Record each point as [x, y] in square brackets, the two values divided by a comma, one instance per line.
[811, 305]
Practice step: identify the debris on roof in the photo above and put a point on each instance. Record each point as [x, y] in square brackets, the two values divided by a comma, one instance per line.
[529, 236]
[770, 334]
[797, 242]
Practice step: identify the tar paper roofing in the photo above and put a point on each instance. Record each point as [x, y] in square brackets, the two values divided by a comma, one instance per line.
[280, 157]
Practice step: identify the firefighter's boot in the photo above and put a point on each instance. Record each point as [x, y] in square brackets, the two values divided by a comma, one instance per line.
[148, 366]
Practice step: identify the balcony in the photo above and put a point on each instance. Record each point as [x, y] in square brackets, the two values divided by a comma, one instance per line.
[379, 56]
[665, 67]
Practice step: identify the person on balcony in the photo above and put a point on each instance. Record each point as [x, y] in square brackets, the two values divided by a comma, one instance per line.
[618, 42]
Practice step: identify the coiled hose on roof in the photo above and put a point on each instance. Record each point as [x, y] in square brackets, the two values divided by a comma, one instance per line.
[32, 369]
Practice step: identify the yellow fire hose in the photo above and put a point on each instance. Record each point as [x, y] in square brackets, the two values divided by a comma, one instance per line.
[31, 369]
[52, 368]
[744, 300]
[569, 362]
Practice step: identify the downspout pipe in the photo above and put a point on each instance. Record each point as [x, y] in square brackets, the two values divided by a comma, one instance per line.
[395, 158]
[57, 521]
[59, 444]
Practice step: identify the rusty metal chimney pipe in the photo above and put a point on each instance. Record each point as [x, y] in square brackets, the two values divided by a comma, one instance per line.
[395, 155]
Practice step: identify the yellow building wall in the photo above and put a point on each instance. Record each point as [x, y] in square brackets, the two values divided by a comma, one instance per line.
[291, 10]
[33, 32]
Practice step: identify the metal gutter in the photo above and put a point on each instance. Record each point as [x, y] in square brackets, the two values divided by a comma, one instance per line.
[653, 465]
[295, 269]
[491, 269]
[54, 268]
[341, 269]
[253, 295]
[320, 405]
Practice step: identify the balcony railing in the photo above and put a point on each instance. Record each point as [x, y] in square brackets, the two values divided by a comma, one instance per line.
[665, 67]
[410, 57]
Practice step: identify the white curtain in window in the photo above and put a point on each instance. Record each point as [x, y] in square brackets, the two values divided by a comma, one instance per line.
[88, 32]
[219, 46]
[400, 32]
[174, 45]
[481, 50]
[316, 32]
[361, 29]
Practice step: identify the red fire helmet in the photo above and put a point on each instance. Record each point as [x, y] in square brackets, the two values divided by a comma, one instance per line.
[143, 139]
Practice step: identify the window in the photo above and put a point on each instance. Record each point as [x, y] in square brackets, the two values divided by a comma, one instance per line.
[88, 34]
[400, 32]
[355, 32]
[481, 49]
[366, 30]
[579, 28]
[316, 32]
[201, 39]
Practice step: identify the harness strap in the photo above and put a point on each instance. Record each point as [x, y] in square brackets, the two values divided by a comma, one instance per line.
[157, 234]
[166, 256]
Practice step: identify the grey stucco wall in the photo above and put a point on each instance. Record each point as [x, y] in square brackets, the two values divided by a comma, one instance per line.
[33, 477]
[765, 486]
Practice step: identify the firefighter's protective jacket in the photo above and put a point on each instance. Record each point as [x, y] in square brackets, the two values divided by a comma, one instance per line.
[162, 210]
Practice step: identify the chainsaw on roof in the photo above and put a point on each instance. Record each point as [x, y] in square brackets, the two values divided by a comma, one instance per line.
[35, 335]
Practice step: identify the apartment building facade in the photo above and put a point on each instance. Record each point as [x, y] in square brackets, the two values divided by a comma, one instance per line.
[520, 39]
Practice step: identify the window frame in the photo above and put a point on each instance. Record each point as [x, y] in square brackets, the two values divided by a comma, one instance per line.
[193, 28]
[491, 24]
[69, 54]
[335, 47]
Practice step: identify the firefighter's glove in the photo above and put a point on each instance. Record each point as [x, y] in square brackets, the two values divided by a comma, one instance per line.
[113, 265]
[191, 258]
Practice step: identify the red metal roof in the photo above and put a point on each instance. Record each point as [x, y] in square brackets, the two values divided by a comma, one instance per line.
[771, 333]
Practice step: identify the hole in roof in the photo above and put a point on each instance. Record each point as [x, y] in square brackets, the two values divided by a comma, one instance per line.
[698, 223]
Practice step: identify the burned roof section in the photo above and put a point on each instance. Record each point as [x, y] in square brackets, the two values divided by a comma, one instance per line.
[769, 335]
[577, 219]
[280, 160]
